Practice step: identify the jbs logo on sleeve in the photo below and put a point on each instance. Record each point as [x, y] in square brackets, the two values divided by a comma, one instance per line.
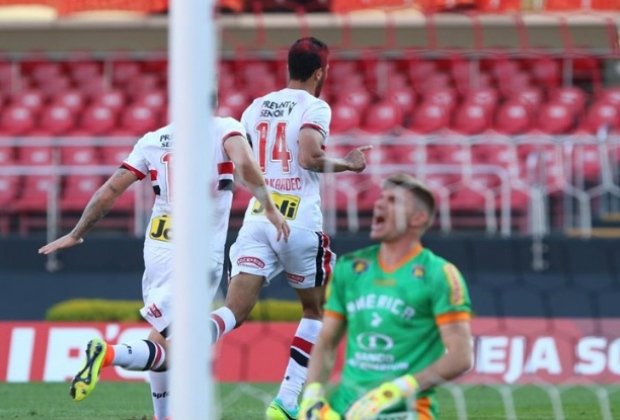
[286, 203]
[161, 228]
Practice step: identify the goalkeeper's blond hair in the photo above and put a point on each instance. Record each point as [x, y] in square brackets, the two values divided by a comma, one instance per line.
[423, 195]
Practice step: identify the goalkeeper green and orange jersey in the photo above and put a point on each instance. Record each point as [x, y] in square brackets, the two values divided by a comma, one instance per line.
[392, 318]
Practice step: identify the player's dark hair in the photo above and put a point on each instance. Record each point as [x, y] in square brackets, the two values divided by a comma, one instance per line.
[420, 191]
[305, 56]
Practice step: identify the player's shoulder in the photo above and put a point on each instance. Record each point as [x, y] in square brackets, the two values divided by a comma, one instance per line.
[229, 124]
[162, 137]
[437, 263]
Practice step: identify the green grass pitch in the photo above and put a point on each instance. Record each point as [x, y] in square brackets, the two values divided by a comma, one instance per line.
[131, 401]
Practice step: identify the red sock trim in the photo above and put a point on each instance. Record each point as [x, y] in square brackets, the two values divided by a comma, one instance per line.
[109, 356]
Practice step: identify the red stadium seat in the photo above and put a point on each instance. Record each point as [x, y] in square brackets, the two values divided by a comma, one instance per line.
[420, 70]
[573, 97]
[546, 71]
[394, 81]
[124, 71]
[555, 118]
[6, 75]
[9, 187]
[84, 70]
[35, 155]
[79, 155]
[31, 99]
[45, 72]
[504, 69]
[611, 95]
[71, 99]
[456, 154]
[234, 101]
[531, 97]
[345, 118]
[111, 99]
[157, 100]
[7, 155]
[16, 120]
[98, 120]
[587, 162]
[55, 86]
[467, 199]
[139, 119]
[501, 154]
[471, 119]
[444, 97]
[435, 82]
[92, 88]
[485, 97]
[602, 115]
[114, 155]
[429, 117]
[141, 84]
[340, 70]
[512, 118]
[56, 119]
[515, 83]
[359, 98]
[403, 97]
[34, 194]
[78, 189]
[382, 117]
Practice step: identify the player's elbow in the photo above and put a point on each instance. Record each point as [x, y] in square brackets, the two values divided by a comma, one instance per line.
[311, 162]
[305, 161]
[463, 362]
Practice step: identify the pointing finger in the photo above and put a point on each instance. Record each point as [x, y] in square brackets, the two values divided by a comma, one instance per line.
[365, 148]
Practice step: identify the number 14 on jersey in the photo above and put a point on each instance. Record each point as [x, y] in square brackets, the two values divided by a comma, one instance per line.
[279, 151]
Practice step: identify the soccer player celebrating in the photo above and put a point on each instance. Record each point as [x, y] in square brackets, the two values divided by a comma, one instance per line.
[406, 314]
[288, 129]
[151, 158]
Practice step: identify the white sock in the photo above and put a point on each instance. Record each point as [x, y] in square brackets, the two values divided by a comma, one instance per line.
[222, 322]
[139, 355]
[159, 393]
[297, 368]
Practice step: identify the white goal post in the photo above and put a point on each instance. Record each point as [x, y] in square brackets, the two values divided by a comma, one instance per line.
[192, 46]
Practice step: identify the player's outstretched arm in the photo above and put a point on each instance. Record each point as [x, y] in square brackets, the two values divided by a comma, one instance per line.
[240, 153]
[100, 203]
[313, 158]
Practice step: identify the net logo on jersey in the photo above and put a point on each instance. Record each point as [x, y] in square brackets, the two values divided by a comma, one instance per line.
[161, 228]
[371, 341]
[286, 203]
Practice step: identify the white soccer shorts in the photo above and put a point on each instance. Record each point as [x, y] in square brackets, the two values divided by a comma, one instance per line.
[306, 258]
[157, 286]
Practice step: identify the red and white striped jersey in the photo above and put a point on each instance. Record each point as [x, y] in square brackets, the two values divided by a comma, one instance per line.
[152, 157]
[273, 123]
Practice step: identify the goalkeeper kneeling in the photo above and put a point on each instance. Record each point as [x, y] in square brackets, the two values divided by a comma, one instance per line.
[406, 315]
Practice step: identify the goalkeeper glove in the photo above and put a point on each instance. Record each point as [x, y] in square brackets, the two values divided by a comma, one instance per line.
[314, 406]
[384, 397]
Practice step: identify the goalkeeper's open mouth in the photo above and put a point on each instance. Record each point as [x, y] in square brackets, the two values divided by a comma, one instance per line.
[378, 222]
